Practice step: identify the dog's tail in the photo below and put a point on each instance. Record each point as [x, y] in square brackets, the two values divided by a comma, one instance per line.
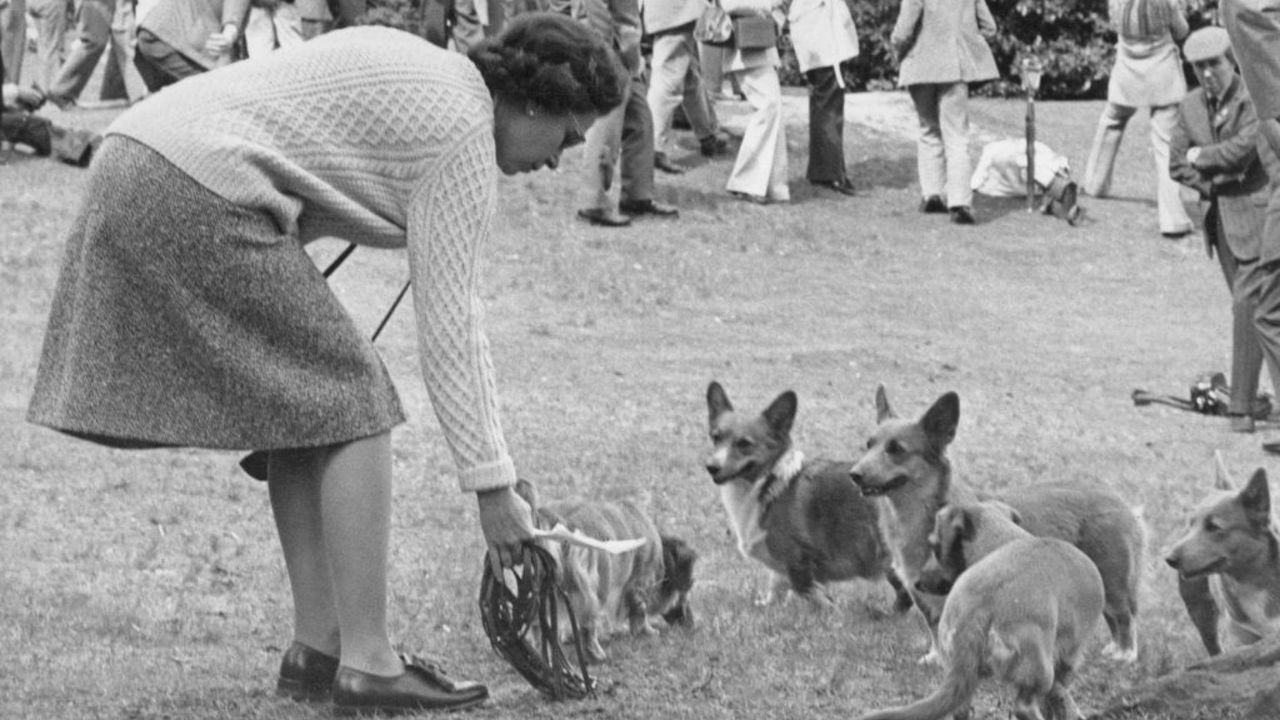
[967, 650]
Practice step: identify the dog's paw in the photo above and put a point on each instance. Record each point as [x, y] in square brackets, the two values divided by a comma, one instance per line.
[1112, 651]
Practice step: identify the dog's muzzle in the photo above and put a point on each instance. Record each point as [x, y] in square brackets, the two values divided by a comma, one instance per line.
[894, 483]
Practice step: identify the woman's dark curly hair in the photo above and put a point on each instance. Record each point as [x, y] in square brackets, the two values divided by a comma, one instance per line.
[554, 62]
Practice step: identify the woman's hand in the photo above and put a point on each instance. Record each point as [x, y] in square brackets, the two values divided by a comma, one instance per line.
[507, 524]
[221, 43]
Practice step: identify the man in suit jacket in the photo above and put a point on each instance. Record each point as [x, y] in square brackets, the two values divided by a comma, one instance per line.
[941, 47]
[1214, 149]
[625, 135]
[1254, 29]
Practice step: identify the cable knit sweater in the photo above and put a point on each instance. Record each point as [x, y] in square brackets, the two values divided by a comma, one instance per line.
[373, 136]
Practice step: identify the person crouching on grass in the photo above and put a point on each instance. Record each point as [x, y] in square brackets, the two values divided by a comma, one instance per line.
[1214, 149]
[188, 312]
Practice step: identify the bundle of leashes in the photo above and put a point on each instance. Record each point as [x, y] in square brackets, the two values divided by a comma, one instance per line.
[511, 615]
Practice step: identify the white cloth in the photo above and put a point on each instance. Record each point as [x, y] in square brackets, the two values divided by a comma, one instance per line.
[761, 166]
[1002, 169]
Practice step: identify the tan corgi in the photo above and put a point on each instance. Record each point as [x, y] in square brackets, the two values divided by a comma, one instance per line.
[800, 518]
[1229, 559]
[1018, 607]
[655, 579]
[905, 466]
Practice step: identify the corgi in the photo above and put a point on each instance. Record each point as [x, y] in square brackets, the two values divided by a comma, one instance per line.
[1018, 607]
[653, 580]
[800, 518]
[1229, 558]
[905, 466]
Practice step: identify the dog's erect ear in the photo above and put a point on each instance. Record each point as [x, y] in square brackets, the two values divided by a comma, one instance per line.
[968, 525]
[781, 413]
[883, 411]
[528, 492]
[1221, 476]
[1256, 499]
[717, 401]
[940, 420]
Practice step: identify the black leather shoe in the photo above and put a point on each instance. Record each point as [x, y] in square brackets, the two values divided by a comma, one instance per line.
[712, 145]
[844, 186]
[422, 686]
[647, 207]
[604, 217]
[933, 205]
[663, 163]
[963, 215]
[306, 674]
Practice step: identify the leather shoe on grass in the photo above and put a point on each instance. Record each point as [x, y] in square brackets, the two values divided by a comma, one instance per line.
[306, 674]
[963, 215]
[844, 186]
[604, 217]
[422, 686]
[647, 207]
[933, 205]
[713, 145]
[663, 163]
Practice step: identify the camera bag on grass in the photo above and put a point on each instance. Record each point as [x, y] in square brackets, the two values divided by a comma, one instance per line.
[1209, 395]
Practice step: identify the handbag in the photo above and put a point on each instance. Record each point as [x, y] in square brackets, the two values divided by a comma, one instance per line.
[714, 27]
[754, 32]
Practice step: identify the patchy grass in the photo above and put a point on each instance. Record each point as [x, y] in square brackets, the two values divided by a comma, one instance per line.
[149, 584]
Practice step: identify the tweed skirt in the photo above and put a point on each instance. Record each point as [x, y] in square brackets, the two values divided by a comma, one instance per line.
[181, 319]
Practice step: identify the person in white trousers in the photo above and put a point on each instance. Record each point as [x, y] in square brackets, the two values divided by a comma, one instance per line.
[759, 173]
[1147, 73]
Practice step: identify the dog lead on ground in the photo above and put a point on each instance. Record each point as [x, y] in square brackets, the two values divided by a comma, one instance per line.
[799, 517]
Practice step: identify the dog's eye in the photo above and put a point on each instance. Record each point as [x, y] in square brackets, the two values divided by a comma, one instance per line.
[716, 437]
[893, 447]
[742, 444]
[871, 443]
[1211, 525]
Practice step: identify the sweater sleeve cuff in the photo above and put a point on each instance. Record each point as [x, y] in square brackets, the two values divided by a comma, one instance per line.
[489, 476]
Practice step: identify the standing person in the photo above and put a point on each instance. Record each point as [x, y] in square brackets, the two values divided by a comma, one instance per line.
[1147, 73]
[271, 25]
[50, 18]
[941, 47]
[1214, 150]
[676, 79]
[759, 172]
[96, 31]
[622, 142]
[186, 281]
[178, 39]
[824, 36]
[1254, 28]
[13, 39]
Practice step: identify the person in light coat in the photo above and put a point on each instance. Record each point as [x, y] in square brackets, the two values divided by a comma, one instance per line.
[1147, 73]
[759, 172]
[941, 46]
[823, 35]
[676, 77]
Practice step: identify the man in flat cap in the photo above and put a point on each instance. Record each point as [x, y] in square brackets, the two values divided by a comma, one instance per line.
[1214, 149]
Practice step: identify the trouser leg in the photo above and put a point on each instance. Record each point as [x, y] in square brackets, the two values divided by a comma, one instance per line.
[826, 126]
[1106, 145]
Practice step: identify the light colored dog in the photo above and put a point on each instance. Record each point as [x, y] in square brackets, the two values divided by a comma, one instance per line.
[1230, 558]
[654, 579]
[1019, 608]
[906, 467]
[801, 518]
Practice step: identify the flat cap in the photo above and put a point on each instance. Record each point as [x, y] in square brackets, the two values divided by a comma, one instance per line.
[1205, 43]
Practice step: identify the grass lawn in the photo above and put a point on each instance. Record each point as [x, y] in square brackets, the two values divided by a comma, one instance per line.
[149, 584]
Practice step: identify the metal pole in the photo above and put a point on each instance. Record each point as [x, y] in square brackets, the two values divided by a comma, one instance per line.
[1031, 150]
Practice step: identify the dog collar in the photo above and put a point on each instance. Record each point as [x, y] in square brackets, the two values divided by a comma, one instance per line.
[780, 477]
